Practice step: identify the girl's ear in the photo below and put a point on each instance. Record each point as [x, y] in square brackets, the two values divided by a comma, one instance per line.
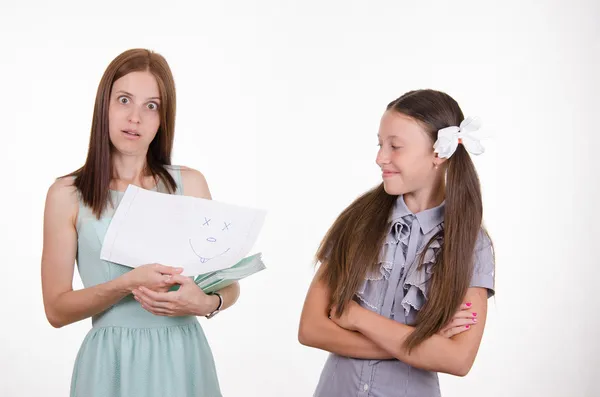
[437, 161]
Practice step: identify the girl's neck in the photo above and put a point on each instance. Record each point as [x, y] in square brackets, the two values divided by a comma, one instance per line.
[425, 199]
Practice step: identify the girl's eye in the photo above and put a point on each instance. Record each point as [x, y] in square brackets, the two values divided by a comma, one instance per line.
[153, 106]
[124, 100]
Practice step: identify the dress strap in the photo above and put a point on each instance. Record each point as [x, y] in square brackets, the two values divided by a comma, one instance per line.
[175, 171]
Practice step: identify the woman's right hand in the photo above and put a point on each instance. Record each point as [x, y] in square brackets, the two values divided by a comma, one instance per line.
[152, 276]
[461, 322]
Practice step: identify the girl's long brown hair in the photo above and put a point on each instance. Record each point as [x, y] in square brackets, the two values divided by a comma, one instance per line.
[93, 179]
[351, 246]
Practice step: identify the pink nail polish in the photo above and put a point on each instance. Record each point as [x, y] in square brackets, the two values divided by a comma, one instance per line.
[467, 326]
[474, 320]
[468, 304]
[474, 314]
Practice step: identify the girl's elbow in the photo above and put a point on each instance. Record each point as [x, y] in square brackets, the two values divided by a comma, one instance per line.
[308, 333]
[459, 371]
[304, 334]
[455, 364]
[462, 366]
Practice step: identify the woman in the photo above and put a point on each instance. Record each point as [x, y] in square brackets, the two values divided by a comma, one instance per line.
[145, 340]
[398, 262]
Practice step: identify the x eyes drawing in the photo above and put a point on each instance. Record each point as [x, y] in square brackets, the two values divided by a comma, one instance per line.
[211, 240]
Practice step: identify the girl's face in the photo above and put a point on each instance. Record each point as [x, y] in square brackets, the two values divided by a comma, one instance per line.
[133, 113]
[405, 155]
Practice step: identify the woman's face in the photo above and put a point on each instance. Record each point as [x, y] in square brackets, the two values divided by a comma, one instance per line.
[133, 113]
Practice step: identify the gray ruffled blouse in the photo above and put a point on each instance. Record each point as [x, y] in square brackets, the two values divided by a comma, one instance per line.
[398, 290]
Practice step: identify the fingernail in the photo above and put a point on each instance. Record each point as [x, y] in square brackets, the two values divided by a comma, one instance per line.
[474, 320]
[467, 326]
[474, 314]
[468, 304]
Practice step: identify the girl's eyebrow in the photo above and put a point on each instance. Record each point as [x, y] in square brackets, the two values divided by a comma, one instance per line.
[389, 137]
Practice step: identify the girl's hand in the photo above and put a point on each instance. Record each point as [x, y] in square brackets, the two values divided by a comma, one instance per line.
[461, 322]
[347, 318]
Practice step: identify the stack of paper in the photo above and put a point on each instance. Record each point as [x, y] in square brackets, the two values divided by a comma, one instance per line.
[208, 239]
[214, 281]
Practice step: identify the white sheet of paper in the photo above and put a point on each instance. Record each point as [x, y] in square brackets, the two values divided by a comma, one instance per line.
[197, 234]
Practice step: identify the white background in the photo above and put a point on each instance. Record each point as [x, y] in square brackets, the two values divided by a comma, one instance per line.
[278, 105]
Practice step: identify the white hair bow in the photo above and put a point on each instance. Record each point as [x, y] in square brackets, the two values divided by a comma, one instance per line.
[449, 138]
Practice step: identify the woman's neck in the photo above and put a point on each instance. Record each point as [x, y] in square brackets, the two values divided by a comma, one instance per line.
[130, 170]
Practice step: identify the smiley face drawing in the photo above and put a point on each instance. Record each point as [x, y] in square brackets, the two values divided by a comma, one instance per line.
[214, 243]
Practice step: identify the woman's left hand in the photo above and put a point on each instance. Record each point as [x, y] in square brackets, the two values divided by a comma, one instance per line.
[347, 319]
[189, 299]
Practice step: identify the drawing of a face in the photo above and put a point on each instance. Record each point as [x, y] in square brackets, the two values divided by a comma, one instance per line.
[215, 241]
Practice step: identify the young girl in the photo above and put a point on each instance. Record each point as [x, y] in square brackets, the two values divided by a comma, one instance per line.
[145, 341]
[400, 260]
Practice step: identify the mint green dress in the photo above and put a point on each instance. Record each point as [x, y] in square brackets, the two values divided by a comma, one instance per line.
[129, 351]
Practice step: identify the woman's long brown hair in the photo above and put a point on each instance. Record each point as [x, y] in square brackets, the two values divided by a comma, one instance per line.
[351, 246]
[93, 179]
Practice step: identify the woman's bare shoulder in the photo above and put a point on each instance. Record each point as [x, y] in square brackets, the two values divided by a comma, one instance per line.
[194, 183]
[62, 197]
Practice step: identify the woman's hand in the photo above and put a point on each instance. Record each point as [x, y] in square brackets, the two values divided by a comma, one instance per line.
[152, 276]
[188, 300]
[461, 322]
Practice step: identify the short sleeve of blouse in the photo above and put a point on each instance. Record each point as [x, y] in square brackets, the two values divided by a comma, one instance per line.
[484, 264]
